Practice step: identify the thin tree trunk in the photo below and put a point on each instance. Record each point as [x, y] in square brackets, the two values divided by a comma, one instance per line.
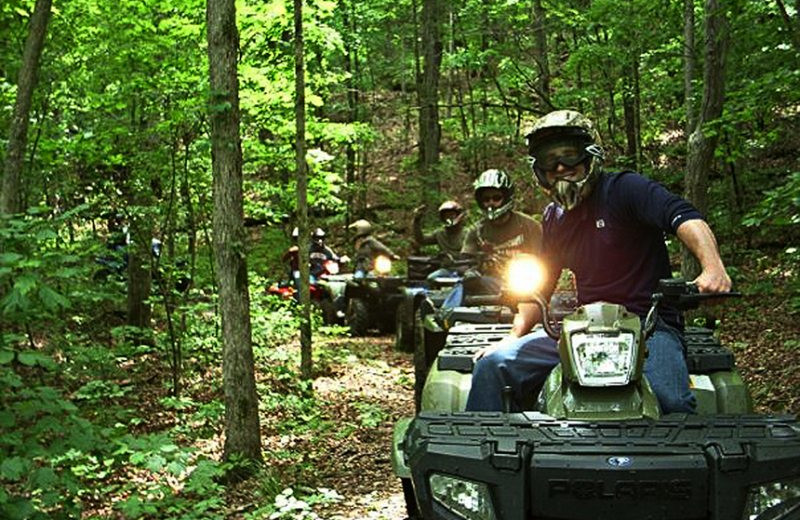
[139, 268]
[242, 431]
[302, 188]
[689, 64]
[191, 222]
[701, 144]
[541, 54]
[793, 26]
[18, 130]
[429, 129]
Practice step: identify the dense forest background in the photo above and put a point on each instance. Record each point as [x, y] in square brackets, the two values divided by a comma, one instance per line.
[111, 387]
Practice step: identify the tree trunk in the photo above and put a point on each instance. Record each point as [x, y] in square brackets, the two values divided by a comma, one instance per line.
[689, 64]
[542, 60]
[139, 273]
[350, 59]
[793, 26]
[701, 144]
[429, 129]
[302, 189]
[18, 130]
[242, 431]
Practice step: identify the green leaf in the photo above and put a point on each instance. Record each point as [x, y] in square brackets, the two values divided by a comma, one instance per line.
[7, 419]
[176, 468]
[6, 356]
[10, 258]
[156, 463]
[51, 299]
[25, 283]
[12, 468]
[28, 358]
[43, 478]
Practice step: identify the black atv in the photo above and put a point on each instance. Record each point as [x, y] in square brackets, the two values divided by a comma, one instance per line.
[371, 300]
[430, 278]
[589, 452]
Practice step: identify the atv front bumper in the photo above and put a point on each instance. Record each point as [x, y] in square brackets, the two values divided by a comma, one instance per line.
[529, 466]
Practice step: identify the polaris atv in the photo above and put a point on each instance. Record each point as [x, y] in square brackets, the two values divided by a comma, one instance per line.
[595, 445]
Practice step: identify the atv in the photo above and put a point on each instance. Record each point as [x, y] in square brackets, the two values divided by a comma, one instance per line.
[371, 301]
[326, 290]
[430, 278]
[595, 444]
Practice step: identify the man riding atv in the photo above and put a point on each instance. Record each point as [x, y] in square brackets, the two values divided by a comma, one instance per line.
[450, 237]
[608, 228]
[367, 248]
[501, 234]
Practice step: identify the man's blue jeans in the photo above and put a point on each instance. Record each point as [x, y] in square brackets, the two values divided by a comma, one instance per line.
[525, 364]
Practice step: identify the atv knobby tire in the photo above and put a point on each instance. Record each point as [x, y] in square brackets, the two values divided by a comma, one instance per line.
[411, 500]
[422, 363]
[328, 310]
[404, 329]
[357, 316]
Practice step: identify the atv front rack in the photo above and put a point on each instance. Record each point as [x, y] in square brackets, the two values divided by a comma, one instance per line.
[536, 467]
[704, 353]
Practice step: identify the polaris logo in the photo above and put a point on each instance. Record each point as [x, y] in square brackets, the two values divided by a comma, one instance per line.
[585, 489]
[619, 462]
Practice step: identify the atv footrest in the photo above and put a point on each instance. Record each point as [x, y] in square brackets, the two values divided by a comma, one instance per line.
[704, 354]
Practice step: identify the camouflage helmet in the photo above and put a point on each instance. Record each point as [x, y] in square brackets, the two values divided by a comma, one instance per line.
[360, 228]
[565, 128]
[499, 180]
[451, 205]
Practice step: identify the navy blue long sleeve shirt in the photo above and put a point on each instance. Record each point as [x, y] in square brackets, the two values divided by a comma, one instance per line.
[614, 241]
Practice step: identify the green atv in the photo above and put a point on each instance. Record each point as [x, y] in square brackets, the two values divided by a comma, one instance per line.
[591, 450]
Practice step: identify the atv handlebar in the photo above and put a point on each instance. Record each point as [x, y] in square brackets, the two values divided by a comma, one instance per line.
[684, 295]
[512, 300]
[681, 295]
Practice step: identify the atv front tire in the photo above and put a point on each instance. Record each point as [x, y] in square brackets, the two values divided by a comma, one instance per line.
[411, 500]
[357, 317]
[327, 309]
[404, 330]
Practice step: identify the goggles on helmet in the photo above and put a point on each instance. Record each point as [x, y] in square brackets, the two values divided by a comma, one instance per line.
[569, 152]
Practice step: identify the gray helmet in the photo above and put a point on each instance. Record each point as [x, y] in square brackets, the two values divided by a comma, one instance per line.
[565, 130]
[495, 179]
[451, 205]
[361, 228]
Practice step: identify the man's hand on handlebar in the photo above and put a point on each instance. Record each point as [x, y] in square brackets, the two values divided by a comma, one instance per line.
[713, 281]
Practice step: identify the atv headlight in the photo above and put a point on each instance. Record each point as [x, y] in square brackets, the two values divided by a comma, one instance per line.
[773, 500]
[383, 264]
[466, 498]
[603, 359]
[524, 275]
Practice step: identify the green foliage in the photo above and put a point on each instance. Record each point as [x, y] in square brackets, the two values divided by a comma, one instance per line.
[779, 207]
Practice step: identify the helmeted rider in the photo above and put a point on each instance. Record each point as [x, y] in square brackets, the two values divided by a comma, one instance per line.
[367, 248]
[450, 236]
[502, 232]
[319, 253]
[608, 229]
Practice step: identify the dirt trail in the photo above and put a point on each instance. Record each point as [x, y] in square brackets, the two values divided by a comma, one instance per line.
[359, 467]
